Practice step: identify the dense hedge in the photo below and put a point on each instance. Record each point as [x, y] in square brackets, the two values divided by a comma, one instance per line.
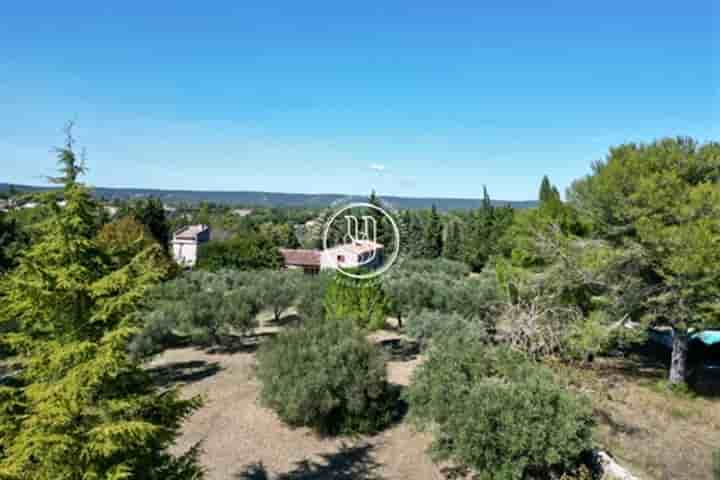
[327, 376]
[496, 413]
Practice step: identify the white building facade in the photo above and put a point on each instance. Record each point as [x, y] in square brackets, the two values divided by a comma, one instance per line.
[185, 244]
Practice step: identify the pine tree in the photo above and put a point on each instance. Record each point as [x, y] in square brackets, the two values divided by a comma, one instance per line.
[80, 407]
[433, 241]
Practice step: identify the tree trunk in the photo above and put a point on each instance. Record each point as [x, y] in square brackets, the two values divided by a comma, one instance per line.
[678, 362]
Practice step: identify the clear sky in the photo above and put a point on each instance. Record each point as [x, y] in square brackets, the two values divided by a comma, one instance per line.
[414, 98]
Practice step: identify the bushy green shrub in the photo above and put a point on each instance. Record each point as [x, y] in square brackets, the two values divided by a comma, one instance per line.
[425, 325]
[414, 291]
[202, 306]
[434, 266]
[361, 300]
[327, 376]
[496, 413]
[311, 301]
[588, 337]
[717, 465]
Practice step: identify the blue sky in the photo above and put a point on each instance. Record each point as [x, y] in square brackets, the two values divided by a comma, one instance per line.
[411, 98]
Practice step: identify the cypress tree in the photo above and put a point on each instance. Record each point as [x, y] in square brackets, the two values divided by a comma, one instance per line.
[80, 407]
[546, 190]
[433, 241]
[453, 244]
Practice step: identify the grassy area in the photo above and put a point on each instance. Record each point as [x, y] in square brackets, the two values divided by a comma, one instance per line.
[656, 432]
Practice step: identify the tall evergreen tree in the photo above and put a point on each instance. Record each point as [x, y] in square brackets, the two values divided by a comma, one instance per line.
[151, 213]
[385, 234]
[80, 407]
[453, 244]
[482, 236]
[546, 190]
[433, 238]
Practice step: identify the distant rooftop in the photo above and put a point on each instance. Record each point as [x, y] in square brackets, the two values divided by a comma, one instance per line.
[191, 231]
[300, 257]
[356, 247]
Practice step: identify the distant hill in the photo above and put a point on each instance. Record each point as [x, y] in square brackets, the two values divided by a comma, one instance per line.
[272, 199]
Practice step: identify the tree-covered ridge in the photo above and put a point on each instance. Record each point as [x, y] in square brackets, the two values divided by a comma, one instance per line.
[273, 199]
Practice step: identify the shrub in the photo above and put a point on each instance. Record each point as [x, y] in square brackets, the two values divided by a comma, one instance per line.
[202, 305]
[717, 465]
[425, 325]
[413, 291]
[277, 290]
[327, 376]
[361, 300]
[311, 303]
[496, 413]
[435, 266]
[588, 337]
[249, 252]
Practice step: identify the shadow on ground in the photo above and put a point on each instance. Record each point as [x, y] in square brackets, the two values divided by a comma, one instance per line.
[183, 372]
[238, 344]
[400, 349]
[348, 463]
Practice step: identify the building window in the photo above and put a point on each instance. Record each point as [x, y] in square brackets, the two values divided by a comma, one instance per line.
[341, 258]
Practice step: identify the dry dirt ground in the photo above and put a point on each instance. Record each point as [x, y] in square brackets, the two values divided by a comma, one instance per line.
[242, 440]
[654, 433]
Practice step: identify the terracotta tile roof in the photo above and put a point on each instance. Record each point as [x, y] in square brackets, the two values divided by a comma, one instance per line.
[301, 258]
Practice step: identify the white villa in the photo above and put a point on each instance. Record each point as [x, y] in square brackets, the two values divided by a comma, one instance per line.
[365, 253]
[185, 243]
[350, 255]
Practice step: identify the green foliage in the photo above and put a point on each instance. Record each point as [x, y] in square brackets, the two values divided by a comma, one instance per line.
[12, 242]
[426, 325]
[151, 213]
[205, 306]
[243, 252]
[278, 290]
[327, 376]
[384, 230]
[663, 197]
[716, 462]
[80, 406]
[311, 302]
[489, 407]
[486, 227]
[438, 285]
[432, 246]
[124, 238]
[433, 267]
[361, 300]
[453, 243]
[588, 337]
[280, 234]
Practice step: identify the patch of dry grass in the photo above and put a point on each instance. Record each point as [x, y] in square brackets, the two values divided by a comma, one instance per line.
[652, 430]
